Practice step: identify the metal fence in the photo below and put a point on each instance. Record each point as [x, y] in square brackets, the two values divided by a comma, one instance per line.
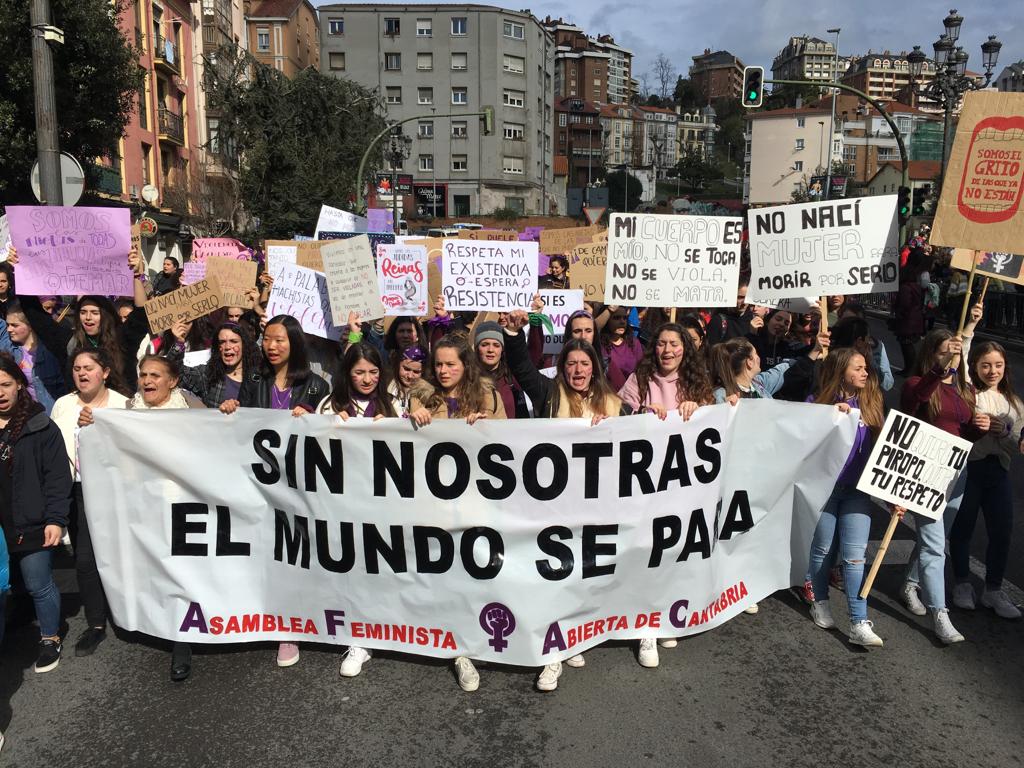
[1003, 317]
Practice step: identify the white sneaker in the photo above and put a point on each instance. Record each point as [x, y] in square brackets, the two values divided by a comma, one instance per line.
[751, 609]
[862, 633]
[548, 678]
[469, 678]
[577, 661]
[963, 596]
[352, 663]
[997, 600]
[668, 642]
[912, 600]
[648, 656]
[944, 628]
[821, 614]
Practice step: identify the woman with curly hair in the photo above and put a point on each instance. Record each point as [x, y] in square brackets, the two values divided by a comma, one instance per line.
[233, 360]
[670, 377]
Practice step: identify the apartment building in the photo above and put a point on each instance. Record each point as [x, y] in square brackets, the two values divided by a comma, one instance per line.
[695, 131]
[579, 138]
[809, 58]
[222, 23]
[590, 68]
[283, 34]
[442, 64]
[884, 75]
[623, 126]
[717, 75]
[1011, 79]
[621, 86]
[660, 142]
[784, 149]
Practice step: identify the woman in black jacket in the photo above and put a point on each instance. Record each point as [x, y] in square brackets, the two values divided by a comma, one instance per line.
[35, 498]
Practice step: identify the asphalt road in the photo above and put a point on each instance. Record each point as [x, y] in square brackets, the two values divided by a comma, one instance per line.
[764, 690]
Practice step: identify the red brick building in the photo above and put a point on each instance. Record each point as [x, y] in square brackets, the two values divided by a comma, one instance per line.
[717, 75]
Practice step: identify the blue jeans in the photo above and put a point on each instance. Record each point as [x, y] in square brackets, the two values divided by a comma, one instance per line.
[988, 487]
[843, 528]
[37, 572]
[927, 567]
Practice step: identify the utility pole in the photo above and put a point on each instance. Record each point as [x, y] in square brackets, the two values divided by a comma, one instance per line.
[47, 146]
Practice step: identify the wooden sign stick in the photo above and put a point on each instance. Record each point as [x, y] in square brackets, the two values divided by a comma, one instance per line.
[63, 313]
[865, 590]
[672, 315]
[823, 325]
[967, 296]
[984, 288]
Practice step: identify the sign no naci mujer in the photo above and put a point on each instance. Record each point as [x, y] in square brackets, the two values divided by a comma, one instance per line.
[517, 542]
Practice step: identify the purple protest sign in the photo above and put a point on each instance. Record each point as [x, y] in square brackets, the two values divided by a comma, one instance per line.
[531, 233]
[71, 251]
[379, 220]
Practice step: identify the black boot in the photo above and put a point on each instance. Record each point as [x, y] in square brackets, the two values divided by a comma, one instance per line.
[181, 662]
[89, 640]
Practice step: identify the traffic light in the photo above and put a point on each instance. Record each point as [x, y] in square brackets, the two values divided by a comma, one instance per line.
[903, 205]
[753, 86]
[488, 119]
[921, 198]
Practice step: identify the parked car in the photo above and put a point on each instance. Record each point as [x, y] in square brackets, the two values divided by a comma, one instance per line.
[442, 232]
[467, 225]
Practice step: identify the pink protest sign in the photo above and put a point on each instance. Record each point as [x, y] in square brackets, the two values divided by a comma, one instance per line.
[225, 247]
[71, 251]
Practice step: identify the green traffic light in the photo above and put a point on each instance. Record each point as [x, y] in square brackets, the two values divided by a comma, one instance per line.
[752, 95]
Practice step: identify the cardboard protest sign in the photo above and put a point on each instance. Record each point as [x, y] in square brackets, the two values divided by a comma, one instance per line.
[564, 240]
[673, 261]
[379, 220]
[402, 279]
[558, 306]
[187, 303]
[193, 271]
[832, 247]
[488, 277]
[1000, 266]
[914, 465]
[980, 206]
[337, 220]
[302, 293]
[234, 278]
[224, 247]
[136, 239]
[305, 253]
[434, 246]
[71, 251]
[352, 278]
[375, 238]
[587, 267]
[507, 235]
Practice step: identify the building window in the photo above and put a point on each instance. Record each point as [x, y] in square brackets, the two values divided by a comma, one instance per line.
[424, 95]
[336, 26]
[459, 129]
[426, 162]
[561, 119]
[425, 129]
[514, 98]
[512, 165]
[849, 153]
[798, 165]
[393, 94]
[799, 144]
[460, 163]
[393, 62]
[424, 28]
[575, 118]
[517, 204]
[147, 160]
[335, 60]
[515, 64]
[263, 39]
[424, 61]
[459, 60]
[458, 25]
[392, 27]
[514, 31]
[460, 96]
[800, 121]
[515, 131]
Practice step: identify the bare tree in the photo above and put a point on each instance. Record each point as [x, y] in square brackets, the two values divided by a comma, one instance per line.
[208, 197]
[645, 90]
[666, 75]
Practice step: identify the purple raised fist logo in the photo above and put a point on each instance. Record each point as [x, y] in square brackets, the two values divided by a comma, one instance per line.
[497, 621]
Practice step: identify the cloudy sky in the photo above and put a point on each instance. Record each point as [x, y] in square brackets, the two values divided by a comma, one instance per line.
[755, 30]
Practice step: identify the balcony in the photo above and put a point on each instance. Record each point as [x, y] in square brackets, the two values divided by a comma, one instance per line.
[165, 55]
[171, 127]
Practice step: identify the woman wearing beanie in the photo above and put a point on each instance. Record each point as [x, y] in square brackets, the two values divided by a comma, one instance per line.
[489, 343]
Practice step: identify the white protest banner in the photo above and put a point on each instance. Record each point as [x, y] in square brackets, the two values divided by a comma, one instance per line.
[673, 261]
[186, 303]
[302, 293]
[402, 279]
[558, 305]
[351, 278]
[337, 220]
[488, 277]
[832, 247]
[71, 250]
[914, 465]
[511, 541]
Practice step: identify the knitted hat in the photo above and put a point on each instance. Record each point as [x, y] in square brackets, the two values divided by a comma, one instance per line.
[489, 330]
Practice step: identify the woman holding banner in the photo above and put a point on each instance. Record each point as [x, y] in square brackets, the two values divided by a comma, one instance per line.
[845, 523]
[97, 385]
[462, 392]
[406, 372]
[988, 483]
[940, 394]
[233, 362]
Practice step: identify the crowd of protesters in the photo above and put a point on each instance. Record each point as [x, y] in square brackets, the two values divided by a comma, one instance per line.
[58, 365]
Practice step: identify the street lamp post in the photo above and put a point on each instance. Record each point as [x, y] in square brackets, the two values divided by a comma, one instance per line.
[832, 119]
[398, 150]
[951, 81]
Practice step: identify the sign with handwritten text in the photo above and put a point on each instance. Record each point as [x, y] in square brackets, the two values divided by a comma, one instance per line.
[351, 278]
[302, 293]
[402, 276]
[488, 277]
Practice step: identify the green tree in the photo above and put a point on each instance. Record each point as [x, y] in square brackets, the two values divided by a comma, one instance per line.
[619, 184]
[299, 140]
[686, 95]
[731, 117]
[783, 96]
[694, 170]
[96, 79]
